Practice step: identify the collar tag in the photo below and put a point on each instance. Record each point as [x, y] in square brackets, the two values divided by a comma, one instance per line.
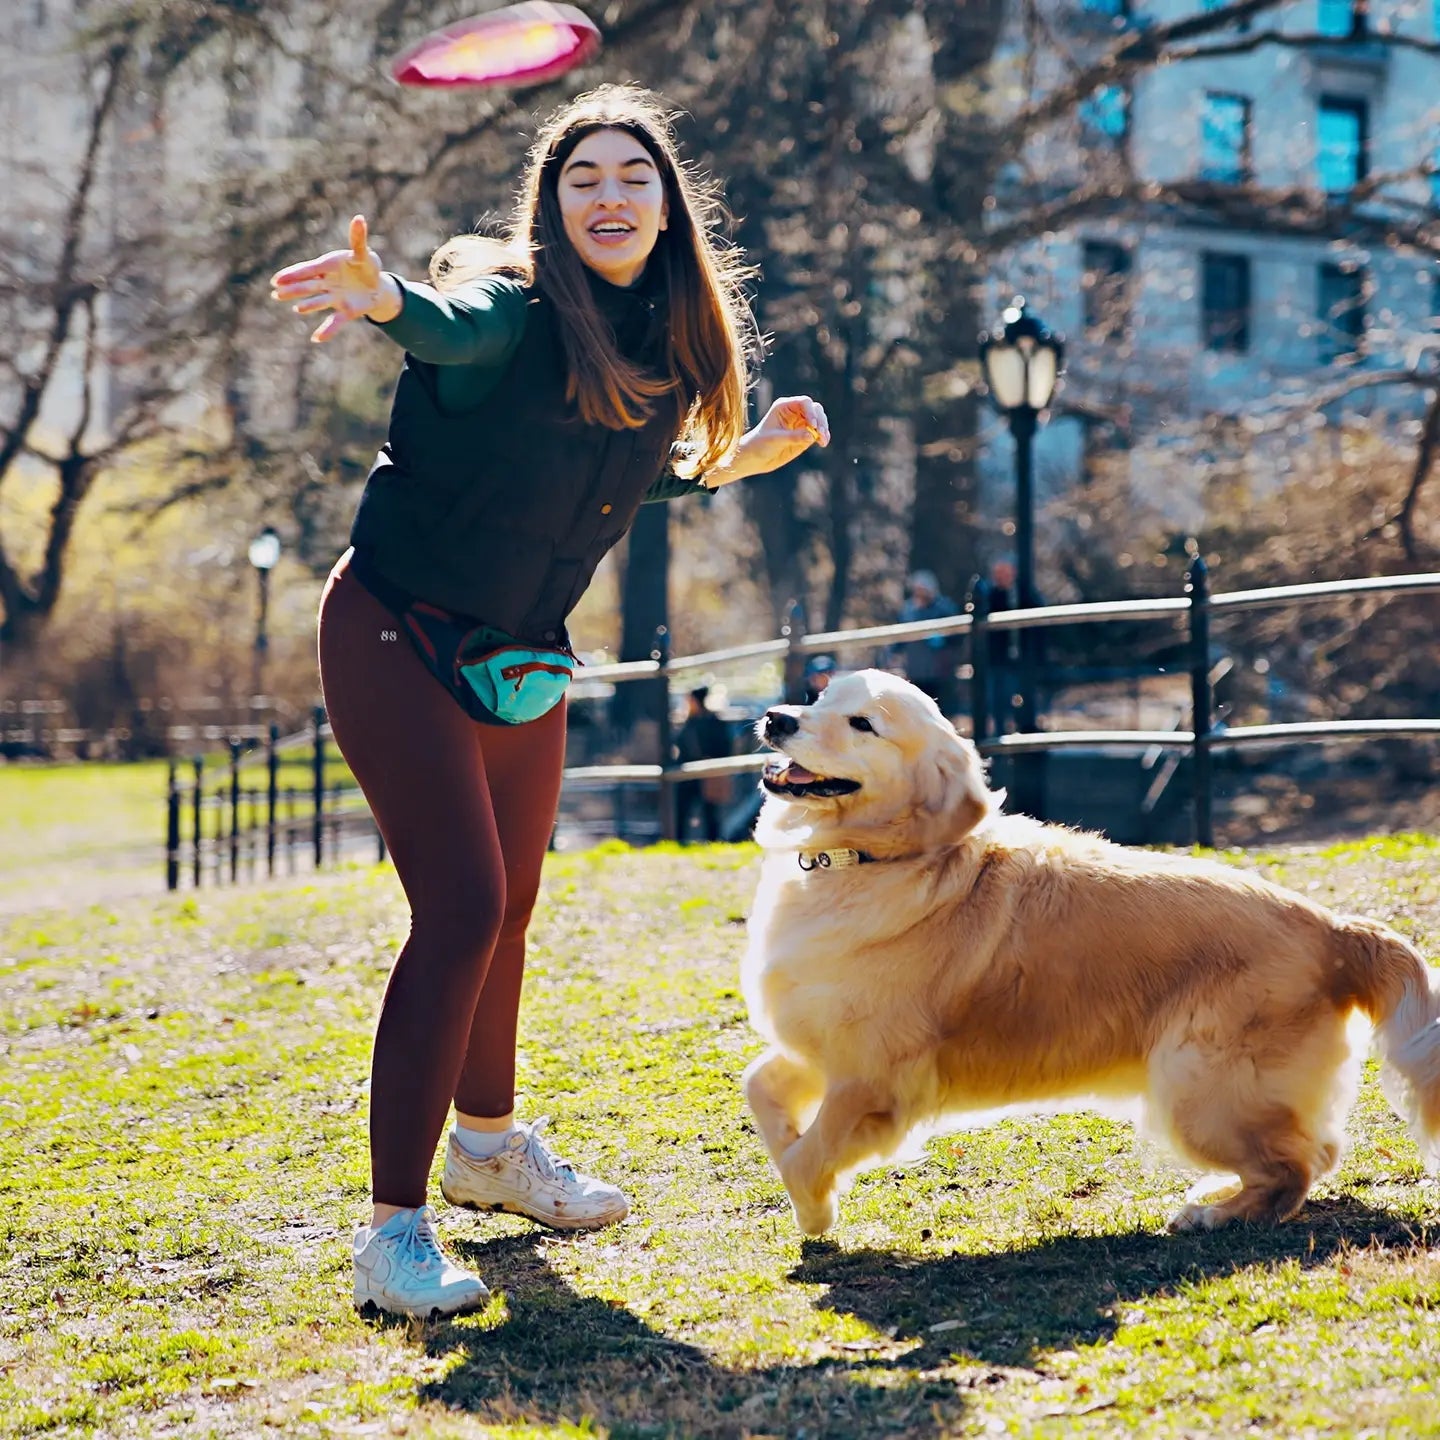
[830, 859]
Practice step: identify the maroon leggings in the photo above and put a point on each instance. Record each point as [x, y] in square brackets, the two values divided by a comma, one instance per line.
[467, 811]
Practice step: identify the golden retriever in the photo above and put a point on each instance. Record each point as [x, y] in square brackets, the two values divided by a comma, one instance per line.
[915, 956]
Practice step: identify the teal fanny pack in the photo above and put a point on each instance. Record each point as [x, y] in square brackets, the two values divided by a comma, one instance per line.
[496, 679]
[513, 682]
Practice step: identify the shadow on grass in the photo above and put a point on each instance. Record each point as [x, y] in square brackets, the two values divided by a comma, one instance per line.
[564, 1356]
[1069, 1291]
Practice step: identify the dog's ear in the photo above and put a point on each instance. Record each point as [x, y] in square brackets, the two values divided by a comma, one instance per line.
[951, 787]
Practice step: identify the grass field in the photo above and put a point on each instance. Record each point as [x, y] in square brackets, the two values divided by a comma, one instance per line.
[70, 832]
[75, 834]
[182, 1158]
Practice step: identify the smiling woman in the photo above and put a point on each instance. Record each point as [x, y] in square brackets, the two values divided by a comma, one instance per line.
[613, 202]
[553, 382]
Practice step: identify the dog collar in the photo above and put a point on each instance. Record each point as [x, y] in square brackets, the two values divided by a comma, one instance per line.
[832, 859]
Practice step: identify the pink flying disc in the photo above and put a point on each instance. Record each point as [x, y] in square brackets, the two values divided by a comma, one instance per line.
[522, 44]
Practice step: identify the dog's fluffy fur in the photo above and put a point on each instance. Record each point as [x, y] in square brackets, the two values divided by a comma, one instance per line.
[986, 961]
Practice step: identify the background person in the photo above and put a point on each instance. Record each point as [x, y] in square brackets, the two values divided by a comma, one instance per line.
[703, 736]
[550, 386]
[819, 671]
[929, 663]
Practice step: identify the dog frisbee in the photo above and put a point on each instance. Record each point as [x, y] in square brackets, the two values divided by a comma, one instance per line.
[523, 44]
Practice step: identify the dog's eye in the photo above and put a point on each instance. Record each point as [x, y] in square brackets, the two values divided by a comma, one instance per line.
[859, 722]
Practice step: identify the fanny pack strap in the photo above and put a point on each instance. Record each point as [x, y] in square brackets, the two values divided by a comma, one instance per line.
[392, 597]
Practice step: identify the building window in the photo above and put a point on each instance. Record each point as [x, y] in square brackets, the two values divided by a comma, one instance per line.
[1107, 266]
[1340, 19]
[1225, 303]
[1342, 144]
[1341, 311]
[1225, 139]
[1105, 116]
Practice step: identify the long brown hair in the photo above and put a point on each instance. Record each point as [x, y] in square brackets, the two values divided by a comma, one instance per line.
[712, 333]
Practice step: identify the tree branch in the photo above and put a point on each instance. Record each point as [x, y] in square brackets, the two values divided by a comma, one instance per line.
[1366, 380]
[67, 295]
[1424, 462]
[1293, 211]
[1245, 44]
[87, 379]
[1137, 51]
[14, 594]
[1153, 44]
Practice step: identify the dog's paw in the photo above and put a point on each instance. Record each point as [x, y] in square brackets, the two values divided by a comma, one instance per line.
[814, 1217]
[1212, 1189]
[1198, 1217]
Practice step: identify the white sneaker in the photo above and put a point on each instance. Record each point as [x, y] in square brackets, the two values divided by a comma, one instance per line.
[401, 1268]
[526, 1178]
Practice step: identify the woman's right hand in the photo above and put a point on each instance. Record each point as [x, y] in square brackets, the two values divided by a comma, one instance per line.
[348, 282]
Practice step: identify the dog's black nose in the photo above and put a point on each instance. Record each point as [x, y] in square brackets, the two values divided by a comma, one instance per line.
[780, 722]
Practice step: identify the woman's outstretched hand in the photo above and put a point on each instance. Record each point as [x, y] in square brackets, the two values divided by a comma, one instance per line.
[790, 427]
[349, 283]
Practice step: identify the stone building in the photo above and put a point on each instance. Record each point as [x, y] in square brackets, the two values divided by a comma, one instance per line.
[1196, 321]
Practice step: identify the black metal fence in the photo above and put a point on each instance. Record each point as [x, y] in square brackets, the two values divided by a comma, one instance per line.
[1198, 607]
[1195, 609]
[39, 729]
[267, 809]
[333, 811]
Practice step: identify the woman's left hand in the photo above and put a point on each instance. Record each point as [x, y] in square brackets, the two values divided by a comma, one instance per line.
[790, 427]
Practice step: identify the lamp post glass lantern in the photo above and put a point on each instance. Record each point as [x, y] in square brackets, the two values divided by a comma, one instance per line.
[1022, 362]
[264, 554]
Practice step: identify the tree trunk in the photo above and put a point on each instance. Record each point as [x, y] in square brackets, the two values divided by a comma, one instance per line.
[945, 527]
[944, 531]
[770, 501]
[645, 606]
[842, 407]
[20, 629]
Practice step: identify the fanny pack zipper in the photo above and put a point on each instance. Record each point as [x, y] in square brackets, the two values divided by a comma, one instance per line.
[518, 672]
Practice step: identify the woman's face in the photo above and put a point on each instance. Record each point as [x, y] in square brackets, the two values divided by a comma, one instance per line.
[612, 201]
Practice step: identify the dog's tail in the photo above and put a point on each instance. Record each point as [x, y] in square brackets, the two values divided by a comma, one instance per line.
[1384, 976]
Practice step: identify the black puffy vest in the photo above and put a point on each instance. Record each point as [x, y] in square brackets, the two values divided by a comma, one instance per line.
[503, 513]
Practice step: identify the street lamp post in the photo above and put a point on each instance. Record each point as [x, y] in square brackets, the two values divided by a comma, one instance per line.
[264, 553]
[1022, 361]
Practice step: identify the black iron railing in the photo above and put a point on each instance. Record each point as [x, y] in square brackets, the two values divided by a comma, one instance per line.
[266, 808]
[1196, 608]
[223, 839]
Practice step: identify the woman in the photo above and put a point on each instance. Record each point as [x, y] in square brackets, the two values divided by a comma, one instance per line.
[550, 386]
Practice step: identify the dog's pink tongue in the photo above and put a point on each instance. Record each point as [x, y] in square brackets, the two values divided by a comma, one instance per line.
[798, 773]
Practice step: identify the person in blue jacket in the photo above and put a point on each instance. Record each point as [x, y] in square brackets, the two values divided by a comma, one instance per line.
[929, 663]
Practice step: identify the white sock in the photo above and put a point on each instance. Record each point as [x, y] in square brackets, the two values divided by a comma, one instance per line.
[482, 1144]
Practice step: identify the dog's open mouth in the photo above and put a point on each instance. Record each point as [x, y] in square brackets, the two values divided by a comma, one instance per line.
[784, 776]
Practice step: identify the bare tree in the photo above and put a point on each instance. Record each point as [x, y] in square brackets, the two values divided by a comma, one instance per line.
[51, 296]
[880, 158]
[132, 285]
